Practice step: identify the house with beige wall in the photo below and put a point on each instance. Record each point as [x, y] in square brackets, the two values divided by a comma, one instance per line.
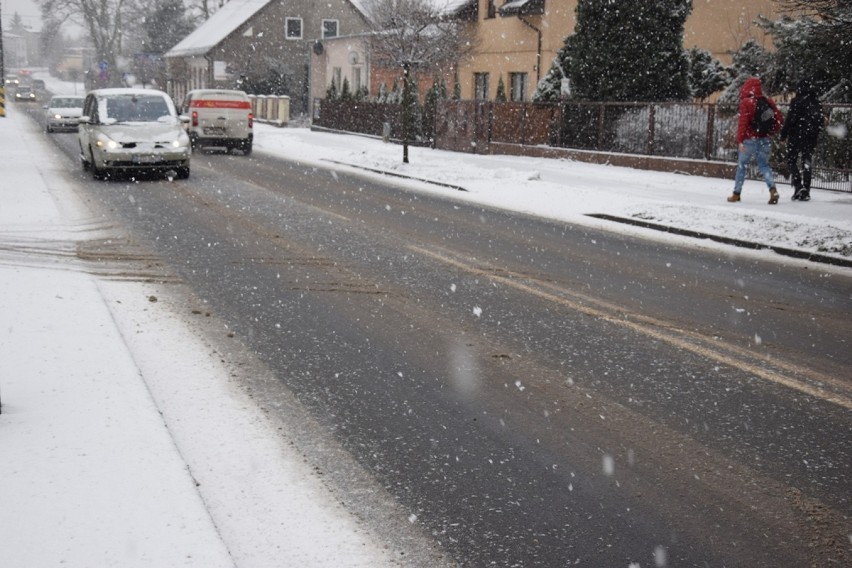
[518, 39]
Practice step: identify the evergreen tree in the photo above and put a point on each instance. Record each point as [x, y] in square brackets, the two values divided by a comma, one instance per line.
[331, 92]
[436, 93]
[816, 49]
[456, 88]
[444, 93]
[383, 93]
[16, 26]
[500, 97]
[630, 51]
[706, 75]
[345, 91]
[549, 89]
[750, 61]
[167, 25]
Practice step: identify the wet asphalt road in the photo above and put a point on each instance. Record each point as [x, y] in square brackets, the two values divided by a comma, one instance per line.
[534, 393]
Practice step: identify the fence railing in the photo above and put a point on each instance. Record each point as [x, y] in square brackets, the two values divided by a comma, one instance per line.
[692, 131]
[273, 109]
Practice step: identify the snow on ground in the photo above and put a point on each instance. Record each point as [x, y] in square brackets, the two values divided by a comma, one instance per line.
[569, 191]
[129, 440]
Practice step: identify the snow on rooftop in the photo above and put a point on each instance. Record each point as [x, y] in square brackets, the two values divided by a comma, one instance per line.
[224, 22]
[220, 25]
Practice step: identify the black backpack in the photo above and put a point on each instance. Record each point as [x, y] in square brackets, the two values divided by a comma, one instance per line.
[763, 122]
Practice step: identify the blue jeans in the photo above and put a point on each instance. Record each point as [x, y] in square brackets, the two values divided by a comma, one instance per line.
[759, 148]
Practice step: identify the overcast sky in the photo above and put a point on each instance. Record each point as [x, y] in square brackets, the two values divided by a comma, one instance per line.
[27, 9]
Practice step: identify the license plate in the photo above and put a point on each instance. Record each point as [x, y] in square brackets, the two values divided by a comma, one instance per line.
[215, 130]
[145, 159]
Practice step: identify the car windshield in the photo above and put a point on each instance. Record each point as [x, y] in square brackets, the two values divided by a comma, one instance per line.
[66, 102]
[136, 108]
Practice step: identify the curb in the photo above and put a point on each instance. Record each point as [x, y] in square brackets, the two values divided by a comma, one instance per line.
[805, 255]
[392, 174]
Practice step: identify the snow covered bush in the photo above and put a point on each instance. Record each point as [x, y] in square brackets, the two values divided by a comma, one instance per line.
[679, 130]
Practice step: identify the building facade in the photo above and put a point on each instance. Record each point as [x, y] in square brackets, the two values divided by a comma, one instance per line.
[518, 39]
[262, 46]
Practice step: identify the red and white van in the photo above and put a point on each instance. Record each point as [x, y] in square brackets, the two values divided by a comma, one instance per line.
[219, 118]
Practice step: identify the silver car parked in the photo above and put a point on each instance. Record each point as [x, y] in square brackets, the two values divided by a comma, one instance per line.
[63, 112]
[132, 130]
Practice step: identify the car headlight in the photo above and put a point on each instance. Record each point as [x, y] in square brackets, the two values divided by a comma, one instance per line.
[57, 116]
[182, 140]
[105, 141]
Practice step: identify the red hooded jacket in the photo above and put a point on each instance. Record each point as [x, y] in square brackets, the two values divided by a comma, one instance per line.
[751, 90]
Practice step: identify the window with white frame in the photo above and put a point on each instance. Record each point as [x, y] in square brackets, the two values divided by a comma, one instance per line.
[293, 28]
[356, 79]
[519, 86]
[480, 86]
[330, 28]
[337, 77]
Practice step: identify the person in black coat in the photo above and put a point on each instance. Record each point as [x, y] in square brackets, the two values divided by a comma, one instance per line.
[801, 131]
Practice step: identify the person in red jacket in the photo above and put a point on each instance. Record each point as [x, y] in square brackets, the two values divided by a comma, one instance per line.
[750, 143]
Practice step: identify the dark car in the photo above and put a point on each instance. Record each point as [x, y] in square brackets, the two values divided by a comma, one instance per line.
[25, 94]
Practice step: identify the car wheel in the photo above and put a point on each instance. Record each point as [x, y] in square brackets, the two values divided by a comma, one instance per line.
[246, 147]
[97, 173]
[183, 173]
[49, 129]
[84, 163]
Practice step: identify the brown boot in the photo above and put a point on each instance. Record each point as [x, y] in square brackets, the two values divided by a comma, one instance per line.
[773, 195]
[734, 198]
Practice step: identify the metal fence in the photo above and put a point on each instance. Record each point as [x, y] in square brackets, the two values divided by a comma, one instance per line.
[694, 131]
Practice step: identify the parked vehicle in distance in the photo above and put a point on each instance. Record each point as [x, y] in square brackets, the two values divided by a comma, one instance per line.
[63, 112]
[125, 130]
[38, 85]
[12, 80]
[219, 118]
[24, 94]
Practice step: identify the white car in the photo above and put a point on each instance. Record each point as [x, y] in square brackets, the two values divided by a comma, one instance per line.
[63, 112]
[220, 118]
[126, 130]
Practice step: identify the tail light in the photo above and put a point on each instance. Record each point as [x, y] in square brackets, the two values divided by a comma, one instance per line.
[251, 120]
[195, 118]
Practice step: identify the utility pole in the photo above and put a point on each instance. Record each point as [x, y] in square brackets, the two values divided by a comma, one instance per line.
[2, 70]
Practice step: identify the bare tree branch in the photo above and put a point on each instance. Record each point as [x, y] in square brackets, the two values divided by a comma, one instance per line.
[417, 32]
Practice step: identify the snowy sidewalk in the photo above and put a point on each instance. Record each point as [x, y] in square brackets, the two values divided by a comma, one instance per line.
[123, 440]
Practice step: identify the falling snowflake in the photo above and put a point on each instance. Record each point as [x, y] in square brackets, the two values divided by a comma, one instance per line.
[608, 465]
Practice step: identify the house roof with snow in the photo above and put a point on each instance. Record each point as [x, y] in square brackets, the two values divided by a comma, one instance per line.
[454, 6]
[223, 23]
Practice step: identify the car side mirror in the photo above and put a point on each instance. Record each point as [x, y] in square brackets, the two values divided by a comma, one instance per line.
[84, 120]
[184, 119]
